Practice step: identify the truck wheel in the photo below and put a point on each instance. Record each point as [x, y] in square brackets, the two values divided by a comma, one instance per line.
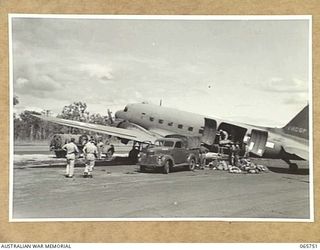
[142, 169]
[109, 154]
[60, 153]
[192, 164]
[166, 167]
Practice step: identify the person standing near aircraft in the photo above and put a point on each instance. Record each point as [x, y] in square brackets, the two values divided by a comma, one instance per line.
[246, 151]
[71, 149]
[223, 137]
[231, 154]
[90, 151]
[236, 154]
[202, 156]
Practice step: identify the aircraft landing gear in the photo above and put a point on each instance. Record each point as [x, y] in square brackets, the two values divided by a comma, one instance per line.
[293, 167]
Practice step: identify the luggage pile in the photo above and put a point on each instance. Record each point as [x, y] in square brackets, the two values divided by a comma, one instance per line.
[243, 166]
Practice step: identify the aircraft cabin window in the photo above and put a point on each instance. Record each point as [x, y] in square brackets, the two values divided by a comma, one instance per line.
[190, 129]
[180, 126]
[178, 144]
[200, 131]
[143, 113]
[170, 124]
[151, 119]
[160, 121]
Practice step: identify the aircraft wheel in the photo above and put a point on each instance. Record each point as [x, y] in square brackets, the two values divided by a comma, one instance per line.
[142, 169]
[293, 167]
[166, 167]
[192, 164]
[109, 154]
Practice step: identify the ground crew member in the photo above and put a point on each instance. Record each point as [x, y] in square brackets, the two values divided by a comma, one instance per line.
[246, 151]
[231, 154]
[71, 150]
[90, 151]
[100, 147]
[236, 154]
[202, 156]
[223, 137]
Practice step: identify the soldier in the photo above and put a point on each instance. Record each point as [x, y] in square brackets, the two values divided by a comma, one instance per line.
[231, 154]
[71, 150]
[202, 156]
[224, 138]
[246, 151]
[90, 151]
[236, 154]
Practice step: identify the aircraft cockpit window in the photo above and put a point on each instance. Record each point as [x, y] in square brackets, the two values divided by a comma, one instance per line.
[151, 119]
[125, 109]
[178, 144]
[160, 121]
[190, 129]
[180, 126]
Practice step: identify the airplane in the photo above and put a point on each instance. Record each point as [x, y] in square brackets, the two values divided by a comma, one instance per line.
[143, 122]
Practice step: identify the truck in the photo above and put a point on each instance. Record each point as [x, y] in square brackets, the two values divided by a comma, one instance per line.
[170, 152]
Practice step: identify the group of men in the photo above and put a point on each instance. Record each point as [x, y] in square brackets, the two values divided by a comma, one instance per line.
[90, 152]
[225, 141]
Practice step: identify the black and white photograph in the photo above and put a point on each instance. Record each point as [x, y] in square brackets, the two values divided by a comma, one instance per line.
[160, 118]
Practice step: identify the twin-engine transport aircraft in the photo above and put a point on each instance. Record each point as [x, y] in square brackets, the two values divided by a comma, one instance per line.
[143, 122]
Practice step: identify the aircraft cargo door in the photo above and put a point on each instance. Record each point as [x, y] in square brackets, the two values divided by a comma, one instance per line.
[209, 132]
[258, 141]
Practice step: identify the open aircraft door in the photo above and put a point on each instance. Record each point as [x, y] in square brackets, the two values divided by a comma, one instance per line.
[209, 132]
[258, 141]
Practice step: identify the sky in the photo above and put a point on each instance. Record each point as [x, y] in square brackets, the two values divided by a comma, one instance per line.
[252, 71]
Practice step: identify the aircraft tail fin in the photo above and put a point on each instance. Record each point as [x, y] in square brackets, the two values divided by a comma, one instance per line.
[299, 125]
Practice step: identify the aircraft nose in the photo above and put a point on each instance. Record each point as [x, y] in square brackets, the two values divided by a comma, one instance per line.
[118, 114]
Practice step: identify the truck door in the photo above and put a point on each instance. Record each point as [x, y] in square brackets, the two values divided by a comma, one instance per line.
[179, 153]
[258, 141]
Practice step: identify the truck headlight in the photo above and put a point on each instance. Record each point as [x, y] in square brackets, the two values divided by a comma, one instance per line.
[160, 158]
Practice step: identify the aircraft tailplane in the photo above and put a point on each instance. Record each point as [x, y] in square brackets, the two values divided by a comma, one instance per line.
[299, 125]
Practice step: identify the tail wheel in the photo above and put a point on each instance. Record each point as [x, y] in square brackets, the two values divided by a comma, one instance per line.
[293, 167]
[166, 167]
[192, 164]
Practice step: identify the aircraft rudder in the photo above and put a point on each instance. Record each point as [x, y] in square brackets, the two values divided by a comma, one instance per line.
[299, 125]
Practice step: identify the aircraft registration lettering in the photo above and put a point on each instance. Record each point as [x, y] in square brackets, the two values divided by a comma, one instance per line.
[297, 130]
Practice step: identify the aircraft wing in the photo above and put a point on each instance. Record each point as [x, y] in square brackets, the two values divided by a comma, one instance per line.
[129, 134]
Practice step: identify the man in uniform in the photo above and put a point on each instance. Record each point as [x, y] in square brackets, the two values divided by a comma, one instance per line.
[202, 156]
[223, 137]
[72, 150]
[90, 151]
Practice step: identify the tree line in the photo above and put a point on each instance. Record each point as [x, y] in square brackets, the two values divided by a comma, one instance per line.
[28, 128]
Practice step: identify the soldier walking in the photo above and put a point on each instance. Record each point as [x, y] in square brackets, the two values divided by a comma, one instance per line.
[72, 150]
[90, 151]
